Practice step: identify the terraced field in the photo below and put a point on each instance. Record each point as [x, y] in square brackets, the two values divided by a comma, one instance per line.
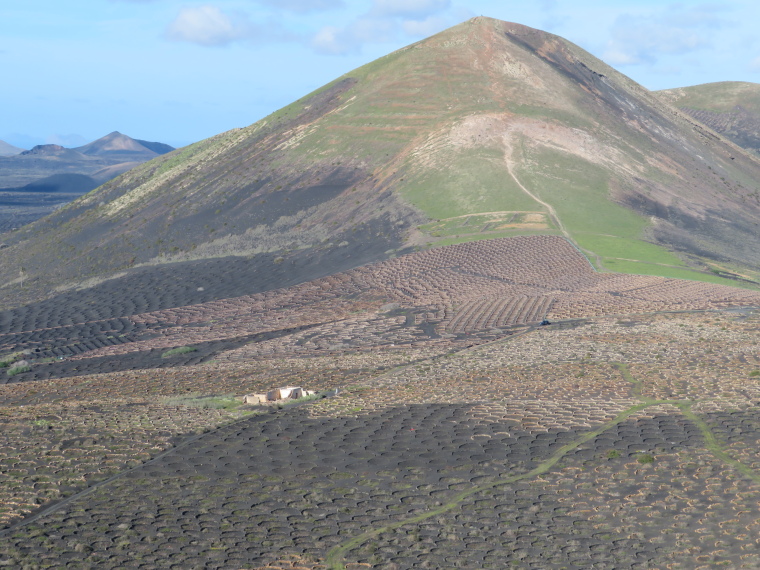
[570, 444]
[453, 429]
[430, 298]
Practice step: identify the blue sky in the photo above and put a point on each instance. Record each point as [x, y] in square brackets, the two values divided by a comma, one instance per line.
[178, 71]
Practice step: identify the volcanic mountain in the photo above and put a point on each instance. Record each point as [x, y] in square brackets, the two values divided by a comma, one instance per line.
[488, 129]
[490, 404]
[731, 108]
[101, 159]
[116, 145]
[36, 182]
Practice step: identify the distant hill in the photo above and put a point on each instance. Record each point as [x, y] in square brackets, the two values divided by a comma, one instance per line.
[102, 156]
[116, 144]
[731, 108]
[157, 147]
[8, 149]
[488, 129]
[35, 182]
[108, 172]
[53, 151]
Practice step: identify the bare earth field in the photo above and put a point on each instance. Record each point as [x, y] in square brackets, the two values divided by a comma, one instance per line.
[452, 430]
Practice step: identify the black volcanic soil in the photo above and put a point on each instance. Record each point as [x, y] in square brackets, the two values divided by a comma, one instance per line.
[286, 483]
[141, 360]
[186, 283]
[20, 208]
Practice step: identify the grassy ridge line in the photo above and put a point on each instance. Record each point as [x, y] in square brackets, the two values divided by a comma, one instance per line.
[714, 446]
[334, 556]
[711, 442]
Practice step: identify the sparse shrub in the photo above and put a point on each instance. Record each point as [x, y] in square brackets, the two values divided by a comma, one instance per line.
[19, 369]
[755, 373]
[178, 350]
[645, 458]
[212, 402]
[7, 360]
[613, 454]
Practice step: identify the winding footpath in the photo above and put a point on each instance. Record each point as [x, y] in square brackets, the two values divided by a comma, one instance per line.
[335, 557]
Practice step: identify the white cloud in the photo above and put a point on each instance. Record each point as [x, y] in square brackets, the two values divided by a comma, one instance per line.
[702, 16]
[386, 21]
[424, 28]
[331, 40]
[615, 56]
[328, 41]
[208, 26]
[673, 31]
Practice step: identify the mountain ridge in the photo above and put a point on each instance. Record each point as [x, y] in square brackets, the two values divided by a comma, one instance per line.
[38, 181]
[485, 117]
[116, 143]
[730, 108]
[423, 248]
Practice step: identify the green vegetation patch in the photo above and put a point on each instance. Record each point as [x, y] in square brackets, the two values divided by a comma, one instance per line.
[607, 246]
[226, 402]
[178, 350]
[720, 97]
[8, 359]
[184, 155]
[18, 370]
[579, 191]
[472, 182]
[643, 268]
[494, 235]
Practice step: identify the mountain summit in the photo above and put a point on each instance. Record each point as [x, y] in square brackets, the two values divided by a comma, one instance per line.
[116, 143]
[488, 129]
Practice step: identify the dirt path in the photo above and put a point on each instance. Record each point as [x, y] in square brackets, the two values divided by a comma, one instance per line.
[549, 208]
[493, 214]
[334, 558]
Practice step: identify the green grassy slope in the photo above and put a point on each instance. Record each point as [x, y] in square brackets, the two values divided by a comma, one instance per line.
[487, 116]
[721, 97]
